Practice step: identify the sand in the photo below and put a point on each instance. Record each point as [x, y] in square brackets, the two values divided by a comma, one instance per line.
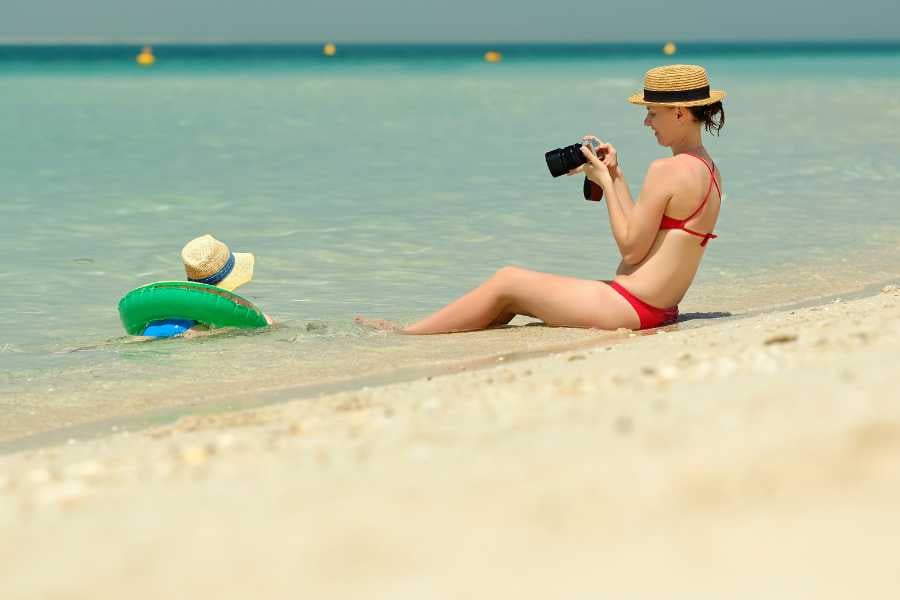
[746, 458]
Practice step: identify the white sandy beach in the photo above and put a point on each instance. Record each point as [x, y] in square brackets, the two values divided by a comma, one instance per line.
[748, 458]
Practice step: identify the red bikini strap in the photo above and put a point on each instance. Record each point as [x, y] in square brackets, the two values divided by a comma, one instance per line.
[712, 170]
[712, 181]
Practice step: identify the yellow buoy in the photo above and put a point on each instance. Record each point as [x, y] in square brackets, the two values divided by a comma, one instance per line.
[329, 49]
[670, 48]
[493, 56]
[146, 58]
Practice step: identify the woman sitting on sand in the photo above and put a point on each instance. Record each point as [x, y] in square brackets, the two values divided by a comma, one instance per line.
[661, 237]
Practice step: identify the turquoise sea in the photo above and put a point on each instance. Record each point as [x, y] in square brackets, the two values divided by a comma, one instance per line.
[386, 181]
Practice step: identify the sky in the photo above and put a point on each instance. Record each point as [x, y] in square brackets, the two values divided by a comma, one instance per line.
[385, 21]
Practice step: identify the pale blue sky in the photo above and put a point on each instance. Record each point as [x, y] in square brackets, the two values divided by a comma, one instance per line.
[445, 20]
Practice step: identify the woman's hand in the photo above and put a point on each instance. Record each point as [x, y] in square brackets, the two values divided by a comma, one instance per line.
[595, 169]
[607, 154]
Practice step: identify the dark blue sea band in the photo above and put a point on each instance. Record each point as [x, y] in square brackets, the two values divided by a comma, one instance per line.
[219, 275]
[701, 93]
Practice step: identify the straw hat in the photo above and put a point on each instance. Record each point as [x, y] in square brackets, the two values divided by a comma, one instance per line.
[207, 260]
[677, 85]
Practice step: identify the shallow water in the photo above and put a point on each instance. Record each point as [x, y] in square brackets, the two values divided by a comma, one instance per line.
[387, 183]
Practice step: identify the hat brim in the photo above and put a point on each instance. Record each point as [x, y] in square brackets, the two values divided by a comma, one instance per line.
[714, 96]
[241, 273]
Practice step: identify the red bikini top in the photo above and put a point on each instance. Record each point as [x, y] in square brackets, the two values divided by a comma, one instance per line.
[670, 223]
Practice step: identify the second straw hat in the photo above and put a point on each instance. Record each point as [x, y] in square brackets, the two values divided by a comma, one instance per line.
[208, 260]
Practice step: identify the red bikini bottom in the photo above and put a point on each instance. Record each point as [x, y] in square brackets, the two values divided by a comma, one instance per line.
[650, 316]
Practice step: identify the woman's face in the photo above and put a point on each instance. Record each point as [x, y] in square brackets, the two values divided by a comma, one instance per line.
[664, 123]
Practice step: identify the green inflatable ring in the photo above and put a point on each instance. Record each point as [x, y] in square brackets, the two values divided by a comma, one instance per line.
[187, 300]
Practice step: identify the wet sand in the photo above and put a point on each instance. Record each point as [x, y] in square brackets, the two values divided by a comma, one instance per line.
[752, 457]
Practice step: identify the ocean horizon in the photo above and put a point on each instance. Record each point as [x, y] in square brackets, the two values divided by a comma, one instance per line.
[706, 45]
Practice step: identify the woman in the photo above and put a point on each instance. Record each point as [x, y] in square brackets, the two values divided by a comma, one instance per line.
[662, 237]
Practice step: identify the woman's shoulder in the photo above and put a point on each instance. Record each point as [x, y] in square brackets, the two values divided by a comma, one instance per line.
[669, 169]
[683, 166]
[678, 175]
[703, 162]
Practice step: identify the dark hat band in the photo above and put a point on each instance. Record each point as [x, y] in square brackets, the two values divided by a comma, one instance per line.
[701, 93]
[218, 276]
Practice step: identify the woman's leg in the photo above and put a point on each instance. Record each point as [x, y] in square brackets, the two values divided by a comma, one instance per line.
[555, 299]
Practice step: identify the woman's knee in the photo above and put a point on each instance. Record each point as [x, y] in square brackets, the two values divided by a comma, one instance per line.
[508, 283]
[505, 278]
[508, 273]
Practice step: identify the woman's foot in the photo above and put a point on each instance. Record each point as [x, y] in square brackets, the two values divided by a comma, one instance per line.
[380, 324]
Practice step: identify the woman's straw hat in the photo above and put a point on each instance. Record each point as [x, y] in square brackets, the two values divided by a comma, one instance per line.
[677, 85]
[207, 260]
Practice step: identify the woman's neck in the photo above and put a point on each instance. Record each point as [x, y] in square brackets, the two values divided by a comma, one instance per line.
[691, 142]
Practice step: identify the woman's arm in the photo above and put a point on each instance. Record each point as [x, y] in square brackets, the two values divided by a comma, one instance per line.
[620, 193]
[610, 157]
[634, 225]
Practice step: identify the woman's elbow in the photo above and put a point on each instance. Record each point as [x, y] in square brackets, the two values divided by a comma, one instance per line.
[632, 258]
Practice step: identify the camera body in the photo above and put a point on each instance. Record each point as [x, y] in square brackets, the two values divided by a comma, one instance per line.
[562, 160]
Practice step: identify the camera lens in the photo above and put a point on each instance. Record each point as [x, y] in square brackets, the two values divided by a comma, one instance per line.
[562, 160]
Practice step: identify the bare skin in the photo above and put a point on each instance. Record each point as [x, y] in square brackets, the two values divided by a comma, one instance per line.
[656, 266]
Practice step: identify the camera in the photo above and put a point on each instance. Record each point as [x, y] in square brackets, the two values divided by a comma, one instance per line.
[562, 160]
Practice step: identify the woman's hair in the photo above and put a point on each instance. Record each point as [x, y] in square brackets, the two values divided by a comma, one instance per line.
[712, 116]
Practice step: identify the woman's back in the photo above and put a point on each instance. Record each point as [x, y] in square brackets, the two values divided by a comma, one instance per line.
[664, 276]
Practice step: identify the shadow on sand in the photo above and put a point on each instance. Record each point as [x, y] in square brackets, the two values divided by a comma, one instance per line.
[703, 315]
